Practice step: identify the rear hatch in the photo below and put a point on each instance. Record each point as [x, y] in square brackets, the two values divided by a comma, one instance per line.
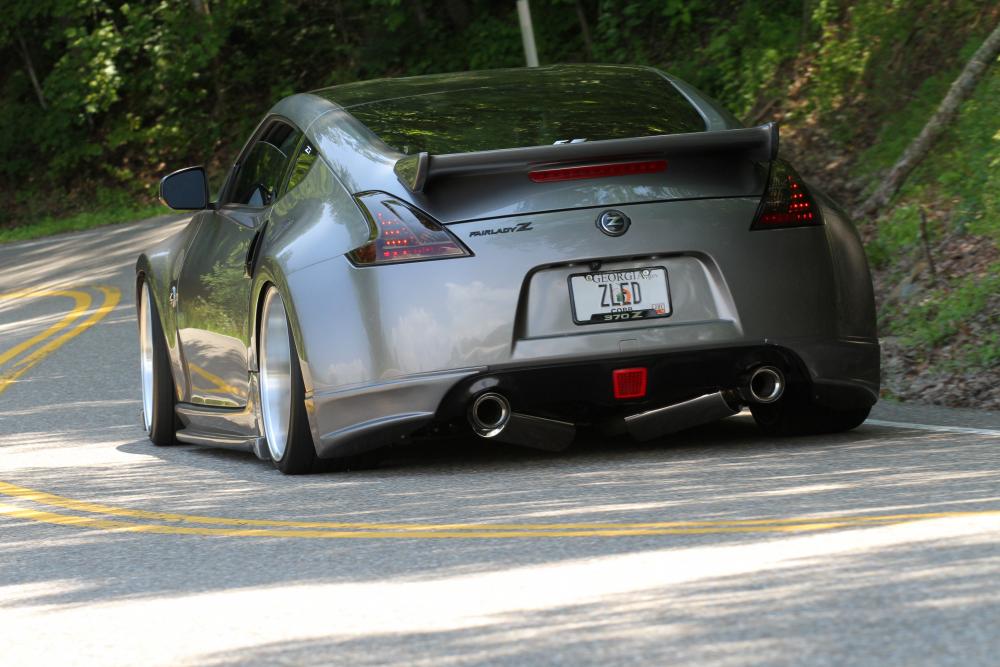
[489, 144]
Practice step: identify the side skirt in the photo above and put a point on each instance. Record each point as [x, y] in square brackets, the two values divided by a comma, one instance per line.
[229, 428]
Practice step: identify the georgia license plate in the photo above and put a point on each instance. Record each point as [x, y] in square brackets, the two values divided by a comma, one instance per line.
[618, 296]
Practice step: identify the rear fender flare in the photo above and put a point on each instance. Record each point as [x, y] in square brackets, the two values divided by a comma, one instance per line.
[269, 275]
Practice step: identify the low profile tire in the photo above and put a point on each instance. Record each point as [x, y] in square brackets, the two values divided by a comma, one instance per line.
[282, 393]
[795, 414]
[158, 397]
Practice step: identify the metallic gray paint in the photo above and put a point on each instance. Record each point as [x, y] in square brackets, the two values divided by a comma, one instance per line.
[381, 346]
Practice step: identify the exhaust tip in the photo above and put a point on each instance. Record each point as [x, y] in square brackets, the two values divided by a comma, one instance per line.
[489, 414]
[766, 384]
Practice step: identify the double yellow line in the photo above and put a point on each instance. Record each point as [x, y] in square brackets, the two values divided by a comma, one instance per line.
[104, 517]
[48, 341]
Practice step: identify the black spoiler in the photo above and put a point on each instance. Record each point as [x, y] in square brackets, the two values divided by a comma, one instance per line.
[756, 143]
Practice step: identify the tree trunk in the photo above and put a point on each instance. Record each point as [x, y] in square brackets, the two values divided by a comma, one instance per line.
[458, 12]
[31, 73]
[588, 44]
[960, 89]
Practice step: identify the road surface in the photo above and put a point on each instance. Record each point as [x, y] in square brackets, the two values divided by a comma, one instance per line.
[716, 546]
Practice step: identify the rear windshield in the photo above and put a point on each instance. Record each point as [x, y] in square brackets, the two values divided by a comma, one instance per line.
[529, 110]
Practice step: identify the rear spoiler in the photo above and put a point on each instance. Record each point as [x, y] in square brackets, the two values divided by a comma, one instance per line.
[756, 143]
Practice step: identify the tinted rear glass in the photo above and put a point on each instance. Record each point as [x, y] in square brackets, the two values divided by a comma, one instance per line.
[483, 111]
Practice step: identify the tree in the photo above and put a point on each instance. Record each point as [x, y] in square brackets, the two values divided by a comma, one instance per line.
[960, 89]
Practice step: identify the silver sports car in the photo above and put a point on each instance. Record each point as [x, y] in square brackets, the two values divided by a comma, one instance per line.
[519, 254]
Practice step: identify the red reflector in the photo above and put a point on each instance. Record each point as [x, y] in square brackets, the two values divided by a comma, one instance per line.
[629, 382]
[598, 171]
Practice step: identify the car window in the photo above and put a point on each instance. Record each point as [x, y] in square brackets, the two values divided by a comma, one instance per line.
[259, 172]
[303, 163]
[510, 109]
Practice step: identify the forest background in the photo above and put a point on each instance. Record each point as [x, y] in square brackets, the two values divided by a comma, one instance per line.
[99, 98]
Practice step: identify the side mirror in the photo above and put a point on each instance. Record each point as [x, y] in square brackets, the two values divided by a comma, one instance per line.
[185, 189]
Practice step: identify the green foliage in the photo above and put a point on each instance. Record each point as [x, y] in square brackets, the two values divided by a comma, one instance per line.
[108, 207]
[941, 313]
[963, 176]
[870, 52]
[898, 234]
[732, 50]
[967, 166]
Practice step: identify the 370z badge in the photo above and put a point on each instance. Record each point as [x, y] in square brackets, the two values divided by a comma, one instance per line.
[519, 227]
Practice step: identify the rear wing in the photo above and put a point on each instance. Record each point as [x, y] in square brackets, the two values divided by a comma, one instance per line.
[755, 143]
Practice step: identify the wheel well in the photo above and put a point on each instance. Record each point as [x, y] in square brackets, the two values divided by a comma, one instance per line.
[254, 356]
[140, 278]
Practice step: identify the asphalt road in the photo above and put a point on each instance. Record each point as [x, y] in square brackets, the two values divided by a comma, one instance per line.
[716, 546]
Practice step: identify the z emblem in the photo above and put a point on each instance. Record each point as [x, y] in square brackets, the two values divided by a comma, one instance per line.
[613, 223]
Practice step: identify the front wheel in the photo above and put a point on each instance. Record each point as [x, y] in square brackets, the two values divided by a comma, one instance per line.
[158, 398]
[282, 393]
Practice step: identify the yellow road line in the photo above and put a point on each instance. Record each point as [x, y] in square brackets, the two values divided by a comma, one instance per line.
[82, 302]
[112, 295]
[126, 526]
[482, 529]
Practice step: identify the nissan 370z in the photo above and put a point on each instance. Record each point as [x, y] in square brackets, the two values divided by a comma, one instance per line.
[517, 254]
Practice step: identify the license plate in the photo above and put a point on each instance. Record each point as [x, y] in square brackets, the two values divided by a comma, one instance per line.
[620, 296]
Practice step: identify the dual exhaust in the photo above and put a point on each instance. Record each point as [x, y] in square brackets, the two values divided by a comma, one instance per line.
[766, 384]
[762, 385]
[490, 414]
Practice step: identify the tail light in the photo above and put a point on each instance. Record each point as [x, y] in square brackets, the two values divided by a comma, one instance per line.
[786, 201]
[402, 233]
[598, 171]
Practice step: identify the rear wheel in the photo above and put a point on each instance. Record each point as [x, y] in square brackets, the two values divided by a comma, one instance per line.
[796, 414]
[282, 393]
[154, 365]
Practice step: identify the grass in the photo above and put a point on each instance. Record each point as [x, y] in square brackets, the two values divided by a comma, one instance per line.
[111, 210]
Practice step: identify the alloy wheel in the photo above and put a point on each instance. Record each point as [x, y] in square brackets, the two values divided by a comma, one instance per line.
[146, 356]
[275, 374]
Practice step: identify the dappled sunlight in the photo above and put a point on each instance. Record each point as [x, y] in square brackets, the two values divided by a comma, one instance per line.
[622, 507]
[72, 405]
[798, 490]
[88, 258]
[675, 594]
[610, 481]
[35, 593]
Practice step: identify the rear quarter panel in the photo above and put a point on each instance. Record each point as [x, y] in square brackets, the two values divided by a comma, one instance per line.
[509, 304]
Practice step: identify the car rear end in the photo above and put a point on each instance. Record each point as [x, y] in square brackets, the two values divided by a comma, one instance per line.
[595, 272]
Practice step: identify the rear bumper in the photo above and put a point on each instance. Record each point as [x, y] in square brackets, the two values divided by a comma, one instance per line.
[843, 373]
[840, 374]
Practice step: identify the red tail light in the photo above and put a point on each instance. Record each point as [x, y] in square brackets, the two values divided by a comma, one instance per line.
[786, 202]
[597, 171]
[402, 233]
[629, 382]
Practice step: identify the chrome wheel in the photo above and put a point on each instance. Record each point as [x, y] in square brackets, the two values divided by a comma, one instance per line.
[275, 374]
[146, 356]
